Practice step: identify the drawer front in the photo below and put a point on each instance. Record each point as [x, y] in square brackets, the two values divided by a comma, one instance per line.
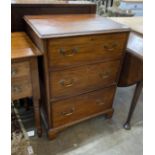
[20, 69]
[74, 51]
[80, 79]
[73, 109]
[21, 88]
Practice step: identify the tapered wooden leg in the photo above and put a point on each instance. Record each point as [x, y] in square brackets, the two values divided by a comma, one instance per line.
[37, 117]
[136, 95]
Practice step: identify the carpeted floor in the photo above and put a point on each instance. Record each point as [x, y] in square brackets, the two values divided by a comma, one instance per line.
[99, 136]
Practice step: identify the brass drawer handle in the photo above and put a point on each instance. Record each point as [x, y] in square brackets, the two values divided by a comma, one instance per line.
[110, 47]
[70, 52]
[13, 72]
[16, 89]
[104, 75]
[99, 102]
[67, 83]
[70, 112]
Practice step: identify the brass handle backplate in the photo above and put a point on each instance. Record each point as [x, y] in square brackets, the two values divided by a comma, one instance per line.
[70, 52]
[67, 83]
[104, 75]
[99, 102]
[68, 113]
[110, 47]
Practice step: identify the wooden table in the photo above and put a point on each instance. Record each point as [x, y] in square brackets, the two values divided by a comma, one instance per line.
[19, 8]
[132, 71]
[135, 23]
[24, 72]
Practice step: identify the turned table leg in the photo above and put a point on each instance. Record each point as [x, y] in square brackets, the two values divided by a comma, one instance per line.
[136, 95]
[37, 116]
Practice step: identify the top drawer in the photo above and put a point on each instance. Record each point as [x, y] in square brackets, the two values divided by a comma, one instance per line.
[63, 52]
[19, 69]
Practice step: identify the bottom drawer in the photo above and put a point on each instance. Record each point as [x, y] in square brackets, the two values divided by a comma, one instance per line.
[21, 88]
[76, 108]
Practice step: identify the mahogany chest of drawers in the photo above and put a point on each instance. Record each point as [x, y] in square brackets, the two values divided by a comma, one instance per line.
[24, 72]
[82, 57]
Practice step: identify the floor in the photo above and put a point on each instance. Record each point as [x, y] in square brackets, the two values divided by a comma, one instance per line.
[99, 136]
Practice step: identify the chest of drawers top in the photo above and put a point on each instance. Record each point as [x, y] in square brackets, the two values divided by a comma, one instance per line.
[53, 26]
[22, 46]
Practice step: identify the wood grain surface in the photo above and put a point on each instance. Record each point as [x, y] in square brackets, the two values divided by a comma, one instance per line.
[65, 52]
[22, 46]
[52, 26]
[82, 79]
[76, 108]
[132, 70]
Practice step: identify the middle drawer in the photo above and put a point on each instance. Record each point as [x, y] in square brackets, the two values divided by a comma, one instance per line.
[81, 79]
